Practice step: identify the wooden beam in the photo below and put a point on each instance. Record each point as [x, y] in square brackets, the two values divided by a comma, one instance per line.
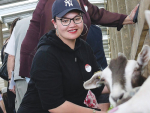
[1, 37]
[147, 68]
[112, 35]
[126, 41]
[141, 29]
[117, 33]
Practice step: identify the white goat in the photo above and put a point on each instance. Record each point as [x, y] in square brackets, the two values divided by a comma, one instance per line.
[139, 103]
[121, 75]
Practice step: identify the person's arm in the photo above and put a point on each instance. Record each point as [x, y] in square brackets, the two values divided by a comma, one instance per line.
[10, 68]
[129, 18]
[2, 106]
[106, 18]
[39, 25]
[68, 107]
[10, 65]
[103, 17]
[105, 90]
[10, 50]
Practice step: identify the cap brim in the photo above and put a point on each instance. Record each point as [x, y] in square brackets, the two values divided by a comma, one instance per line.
[60, 15]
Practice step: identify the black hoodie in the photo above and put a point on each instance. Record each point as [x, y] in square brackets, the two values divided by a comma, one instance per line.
[58, 73]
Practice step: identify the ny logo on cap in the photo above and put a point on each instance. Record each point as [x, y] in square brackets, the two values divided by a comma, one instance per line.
[69, 2]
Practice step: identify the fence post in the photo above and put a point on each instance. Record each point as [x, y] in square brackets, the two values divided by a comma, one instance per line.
[126, 41]
[1, 37]
[111, 33]
[117, 33]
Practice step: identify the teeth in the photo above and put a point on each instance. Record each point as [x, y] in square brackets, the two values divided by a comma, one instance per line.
[72, 31]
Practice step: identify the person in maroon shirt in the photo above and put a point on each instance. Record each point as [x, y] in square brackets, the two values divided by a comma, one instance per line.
[41, 24]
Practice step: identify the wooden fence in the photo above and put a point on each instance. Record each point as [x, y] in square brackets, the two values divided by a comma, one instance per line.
[131, 38]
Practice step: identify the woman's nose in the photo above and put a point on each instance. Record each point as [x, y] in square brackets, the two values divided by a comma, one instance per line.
[72, 23]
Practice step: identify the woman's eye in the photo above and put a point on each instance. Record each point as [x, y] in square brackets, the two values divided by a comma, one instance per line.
[65, 21]
[77, 18]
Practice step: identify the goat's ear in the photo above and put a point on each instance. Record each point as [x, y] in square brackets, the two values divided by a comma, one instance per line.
[147, 15]
[144, 56]
[94, 82]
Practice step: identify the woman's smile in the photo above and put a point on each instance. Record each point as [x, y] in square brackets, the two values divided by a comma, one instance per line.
[73, 31]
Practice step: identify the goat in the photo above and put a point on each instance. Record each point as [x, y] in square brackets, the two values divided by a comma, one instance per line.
[121, 75]
[140, 101]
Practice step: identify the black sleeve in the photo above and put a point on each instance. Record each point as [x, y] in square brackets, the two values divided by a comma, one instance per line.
[46, 74]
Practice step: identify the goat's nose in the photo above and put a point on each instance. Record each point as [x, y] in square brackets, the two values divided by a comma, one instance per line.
[118, 97]
[121, 96]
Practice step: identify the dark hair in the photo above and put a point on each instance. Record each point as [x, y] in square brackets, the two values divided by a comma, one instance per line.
[55, 18]
[13, 25]
[12, 28]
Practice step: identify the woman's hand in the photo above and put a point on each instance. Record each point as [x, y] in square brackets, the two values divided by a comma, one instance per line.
[129, 18]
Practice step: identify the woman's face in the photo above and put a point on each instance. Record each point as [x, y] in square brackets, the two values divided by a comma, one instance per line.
[71, 31]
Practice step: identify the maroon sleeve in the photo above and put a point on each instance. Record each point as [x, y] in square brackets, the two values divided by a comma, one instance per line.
[103, 17]
[39, 25]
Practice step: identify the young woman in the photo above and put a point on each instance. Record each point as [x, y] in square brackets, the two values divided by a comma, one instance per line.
[62, 63]
[40, 25]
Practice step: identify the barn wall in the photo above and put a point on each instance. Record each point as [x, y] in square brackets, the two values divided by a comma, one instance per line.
[131, 38]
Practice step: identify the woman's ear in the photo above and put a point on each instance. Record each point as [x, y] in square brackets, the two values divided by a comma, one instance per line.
[54, 23]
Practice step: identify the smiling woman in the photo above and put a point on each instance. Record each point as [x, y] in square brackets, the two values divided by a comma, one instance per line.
[59, 69]
[69, 28]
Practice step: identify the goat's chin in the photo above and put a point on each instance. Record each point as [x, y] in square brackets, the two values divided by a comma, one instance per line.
[123, 101]
[112, 102]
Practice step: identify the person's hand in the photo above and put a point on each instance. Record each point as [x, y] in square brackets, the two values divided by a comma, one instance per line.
[129, 18]
[12, 90]
[132, 14]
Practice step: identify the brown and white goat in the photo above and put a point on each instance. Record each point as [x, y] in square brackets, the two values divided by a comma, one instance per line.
[139, 103]
[121, 75]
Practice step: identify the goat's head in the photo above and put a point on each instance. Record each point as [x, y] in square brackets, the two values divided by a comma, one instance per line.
[121, 75]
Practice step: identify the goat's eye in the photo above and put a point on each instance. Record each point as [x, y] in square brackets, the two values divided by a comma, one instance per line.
[102, 79]
[136, 69]
[98, 77]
